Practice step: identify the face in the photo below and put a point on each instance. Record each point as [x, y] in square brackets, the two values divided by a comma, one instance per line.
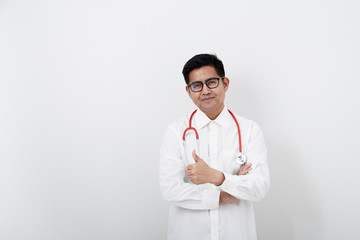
[210, 101]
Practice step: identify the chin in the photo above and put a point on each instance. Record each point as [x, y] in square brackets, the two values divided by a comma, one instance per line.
[207, 109]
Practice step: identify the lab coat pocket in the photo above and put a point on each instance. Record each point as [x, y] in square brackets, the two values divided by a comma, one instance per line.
[230, 165]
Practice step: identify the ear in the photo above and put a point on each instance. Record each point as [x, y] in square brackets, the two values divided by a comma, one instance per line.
[187, 90]
[226, 83]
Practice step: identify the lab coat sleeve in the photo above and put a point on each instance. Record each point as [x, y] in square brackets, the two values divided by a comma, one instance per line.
[174, 189]
[254, 185]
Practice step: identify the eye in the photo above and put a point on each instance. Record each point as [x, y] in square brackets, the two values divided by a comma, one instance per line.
[196, 85]
[212, 81]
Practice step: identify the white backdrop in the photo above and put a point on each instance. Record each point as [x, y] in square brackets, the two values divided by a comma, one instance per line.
[87, 89]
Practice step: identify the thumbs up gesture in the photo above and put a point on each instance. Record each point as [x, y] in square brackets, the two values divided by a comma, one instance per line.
[200, 172]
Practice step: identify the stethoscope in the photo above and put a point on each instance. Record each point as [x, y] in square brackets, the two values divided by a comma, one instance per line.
[240, 158]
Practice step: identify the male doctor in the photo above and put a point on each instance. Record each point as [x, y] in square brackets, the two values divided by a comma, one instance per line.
[210, 196]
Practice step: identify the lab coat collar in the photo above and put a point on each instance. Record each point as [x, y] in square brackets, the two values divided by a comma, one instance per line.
[202, 120]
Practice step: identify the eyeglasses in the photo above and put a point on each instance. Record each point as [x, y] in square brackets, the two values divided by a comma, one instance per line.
[210, 83]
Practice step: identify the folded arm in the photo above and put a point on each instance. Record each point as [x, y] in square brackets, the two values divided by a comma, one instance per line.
[177, 191]
[254, 185]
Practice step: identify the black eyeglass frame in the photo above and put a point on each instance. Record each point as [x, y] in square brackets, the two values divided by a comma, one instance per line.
[206, 82]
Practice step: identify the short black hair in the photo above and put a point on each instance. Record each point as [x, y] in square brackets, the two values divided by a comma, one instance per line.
[202, 60]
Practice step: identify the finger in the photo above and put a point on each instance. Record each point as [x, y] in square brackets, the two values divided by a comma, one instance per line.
[244, 168]
[190, 166]
[196, 157]
[245, 171]
[189, 173]
[247, 167]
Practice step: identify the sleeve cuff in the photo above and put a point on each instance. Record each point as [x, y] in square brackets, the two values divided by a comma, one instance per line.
[211, 198]
[227, 185]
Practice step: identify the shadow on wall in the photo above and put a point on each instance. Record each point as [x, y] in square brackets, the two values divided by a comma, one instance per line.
[291, 209]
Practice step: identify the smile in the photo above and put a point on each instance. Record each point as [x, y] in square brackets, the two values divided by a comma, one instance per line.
[207, 99]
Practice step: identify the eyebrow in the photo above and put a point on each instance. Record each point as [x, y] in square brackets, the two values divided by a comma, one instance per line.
[205, 80]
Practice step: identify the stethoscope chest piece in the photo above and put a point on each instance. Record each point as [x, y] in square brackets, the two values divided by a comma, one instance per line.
[241, 158]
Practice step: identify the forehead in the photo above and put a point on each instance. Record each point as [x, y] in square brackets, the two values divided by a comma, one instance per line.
[202, 74]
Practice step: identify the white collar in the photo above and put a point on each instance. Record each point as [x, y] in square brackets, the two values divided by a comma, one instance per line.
[202, 120]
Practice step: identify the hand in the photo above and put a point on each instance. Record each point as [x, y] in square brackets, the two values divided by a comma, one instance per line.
[226, 198]
[244, 169]
[200, 172]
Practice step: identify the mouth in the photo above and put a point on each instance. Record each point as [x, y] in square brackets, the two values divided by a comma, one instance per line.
[207, 99]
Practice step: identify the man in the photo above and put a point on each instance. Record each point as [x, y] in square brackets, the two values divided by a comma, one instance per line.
[210, 196]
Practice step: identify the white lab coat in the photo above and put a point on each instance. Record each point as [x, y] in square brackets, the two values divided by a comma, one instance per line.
[194, 211]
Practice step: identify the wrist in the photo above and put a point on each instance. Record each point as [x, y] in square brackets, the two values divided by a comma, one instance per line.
[219, 178]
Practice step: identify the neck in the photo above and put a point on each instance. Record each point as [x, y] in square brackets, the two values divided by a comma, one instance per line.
[214, 114]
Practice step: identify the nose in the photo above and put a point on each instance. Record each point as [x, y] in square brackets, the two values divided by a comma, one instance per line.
[206, 90]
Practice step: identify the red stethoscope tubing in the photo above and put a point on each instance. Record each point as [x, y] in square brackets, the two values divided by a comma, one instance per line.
[197, 135]
[237, 125]
[191, 128]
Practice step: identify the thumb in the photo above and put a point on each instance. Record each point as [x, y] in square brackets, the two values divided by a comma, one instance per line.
[196, 157]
